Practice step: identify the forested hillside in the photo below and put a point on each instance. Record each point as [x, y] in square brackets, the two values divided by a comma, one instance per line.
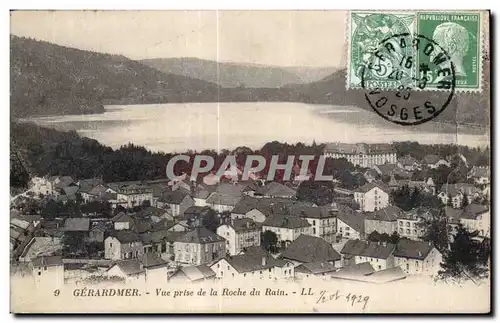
[52, 79]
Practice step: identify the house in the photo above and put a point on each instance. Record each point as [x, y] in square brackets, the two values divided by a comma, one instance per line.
[449, 195]
[240, 234]
[131, 270]
[354, 271]
[383, 220]
[258, 209]
[33, 219]
[248, 207]
[480, 175]
[458, 192]
[275, 189]
[222, 202]
[362, 154]
[193, 274]
[77, 225]
[310, 249]
[158, 187]
[388, 170]
[372, 196]
[199, 246]
[99, 192]
[434, 161]
[41, 185]
[424, 186]
[122, 221]
[410, 223]
[160, 243]
[350, 225]
[177, 201]
[41, 246]
[370, 175]
[408, 163]
[245, 188]
[132, 193]
[155, 268]
[470, 190]
[323, 220]
[85, 185]
[317, 269]
[123, 244]
[48, 270]
[200, 194]
[178, 227]
[378, 254]
[156, 214]
[253, 266]
[476, 217]
[287, 227]
[417, 257]
[96, 233]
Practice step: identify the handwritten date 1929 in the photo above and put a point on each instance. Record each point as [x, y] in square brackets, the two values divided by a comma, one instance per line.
[350, 298]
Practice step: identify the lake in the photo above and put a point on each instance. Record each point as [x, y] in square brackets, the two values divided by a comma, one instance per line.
[179, 127]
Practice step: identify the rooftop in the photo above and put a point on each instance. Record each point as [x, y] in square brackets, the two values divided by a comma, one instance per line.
[370, 249]
[285, 221]
[199, 235]
[129, 267]
[369, 186]
[389, 213]
[223, 199]
[125, 236]
[47, 261]
[195, 273]
[77, 224]
[315, 268]
[308, 248]
[275, 189]
[413, 249]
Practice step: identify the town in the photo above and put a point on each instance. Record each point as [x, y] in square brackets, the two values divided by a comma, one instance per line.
[384, 217]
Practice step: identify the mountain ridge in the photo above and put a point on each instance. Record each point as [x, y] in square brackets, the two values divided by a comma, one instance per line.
[236, 74]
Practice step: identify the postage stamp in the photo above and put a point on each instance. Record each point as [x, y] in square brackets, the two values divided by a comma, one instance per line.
[457, 34]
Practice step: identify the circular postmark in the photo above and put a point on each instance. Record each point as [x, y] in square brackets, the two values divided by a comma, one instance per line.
[409, 79]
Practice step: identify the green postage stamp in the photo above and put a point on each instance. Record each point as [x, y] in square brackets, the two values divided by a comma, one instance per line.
[452, 35]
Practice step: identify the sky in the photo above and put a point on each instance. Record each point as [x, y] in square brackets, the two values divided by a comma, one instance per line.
[282, 38]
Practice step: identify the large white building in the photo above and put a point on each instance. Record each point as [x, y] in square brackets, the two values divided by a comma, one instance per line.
[362, 154]
[240, 234]
[372, 196]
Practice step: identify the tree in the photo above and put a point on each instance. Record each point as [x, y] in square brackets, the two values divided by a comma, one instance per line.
[394, 238]
[467, 258]
[74, 243]
[465, 201]
[374, 236]
[384, 237]
[437, 231]
[402, 198]
[210, 220]
[269, 241]
[319, 193]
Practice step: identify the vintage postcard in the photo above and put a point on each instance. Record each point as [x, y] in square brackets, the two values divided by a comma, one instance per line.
[250, 161]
